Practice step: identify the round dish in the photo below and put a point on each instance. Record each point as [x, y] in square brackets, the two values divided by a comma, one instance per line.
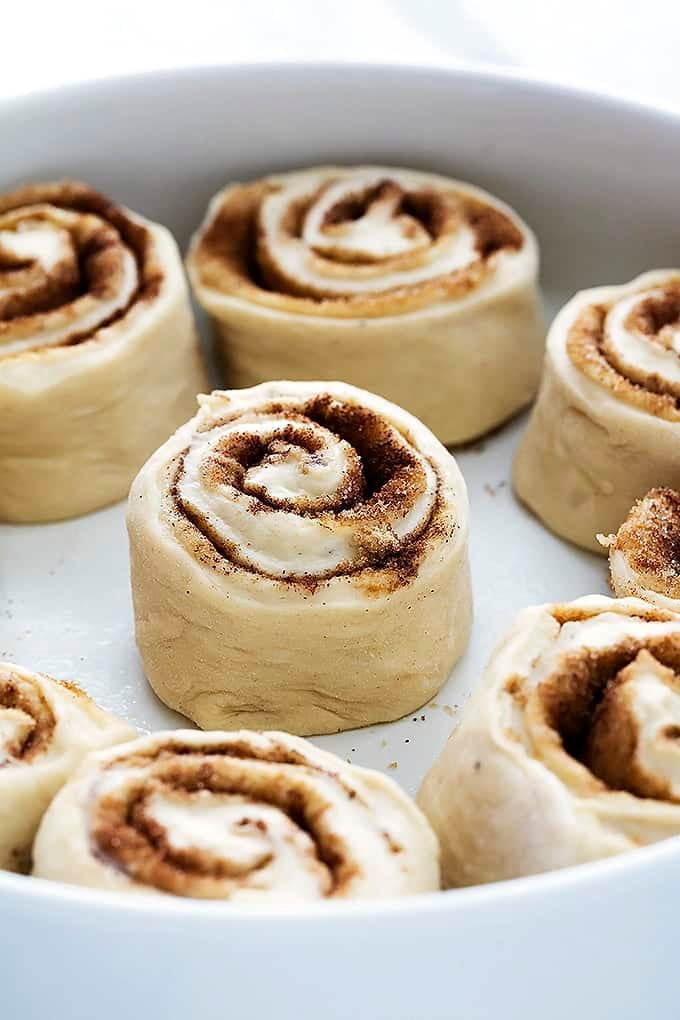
[596, 917]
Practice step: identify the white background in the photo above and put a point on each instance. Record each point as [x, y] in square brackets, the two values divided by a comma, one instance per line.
[625, 47]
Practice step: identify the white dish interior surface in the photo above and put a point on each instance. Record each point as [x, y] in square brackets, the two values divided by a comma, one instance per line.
[597, 180]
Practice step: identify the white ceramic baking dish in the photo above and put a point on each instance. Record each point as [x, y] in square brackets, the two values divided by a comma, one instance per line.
[598, 180]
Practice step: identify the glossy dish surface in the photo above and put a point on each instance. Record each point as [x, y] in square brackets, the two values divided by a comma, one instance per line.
[595, 179]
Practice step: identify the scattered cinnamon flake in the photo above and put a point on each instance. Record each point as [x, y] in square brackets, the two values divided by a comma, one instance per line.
[393, 765]
[492, 490]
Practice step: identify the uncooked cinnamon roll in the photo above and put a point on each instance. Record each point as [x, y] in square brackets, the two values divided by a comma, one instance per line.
[250, 817]
[98, 352]
[408, 284]
[46, 729]
[569, 752]
[299, 561]
[606, 425]
[644, 556]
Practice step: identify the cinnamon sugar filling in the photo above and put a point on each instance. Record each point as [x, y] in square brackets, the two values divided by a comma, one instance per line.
[581, 711]
[654, 320]
[383, 480]
[30, 718]
[650, 541]
[125, 833]
[234, 253]
[90, 266]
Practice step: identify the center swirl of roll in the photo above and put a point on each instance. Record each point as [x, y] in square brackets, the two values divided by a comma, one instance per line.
[26, 719]
[244, 815]
[633, 347]
[612, 706]
[71, 264]
[360, 234]
[308, 490]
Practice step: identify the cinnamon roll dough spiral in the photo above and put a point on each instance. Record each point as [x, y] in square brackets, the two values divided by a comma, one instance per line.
[299, 560]
[46, 729]
[98, 352]
[408, 284]
[644, 556]
[255, 818]
[606, 424]
[570, 750]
